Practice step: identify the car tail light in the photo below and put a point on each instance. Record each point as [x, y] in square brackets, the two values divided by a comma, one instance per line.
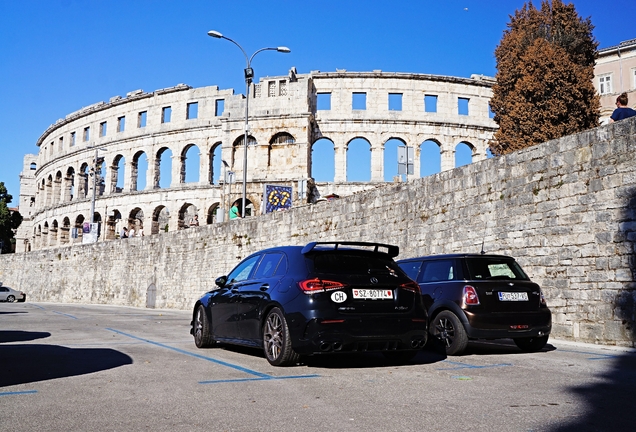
[543, 303]
[311, 286]
[411, 286]
[470, 296]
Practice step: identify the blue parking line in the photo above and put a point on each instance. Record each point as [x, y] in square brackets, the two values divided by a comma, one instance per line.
[66, 315]
[210, 359]
[269, 378]
[596, 356]
[469, 366]
[18, 392]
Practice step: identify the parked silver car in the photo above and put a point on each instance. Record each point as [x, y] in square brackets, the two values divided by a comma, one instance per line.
[10, 295]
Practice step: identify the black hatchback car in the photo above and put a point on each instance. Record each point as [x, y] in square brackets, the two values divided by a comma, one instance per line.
[477, 296]
[317, 299]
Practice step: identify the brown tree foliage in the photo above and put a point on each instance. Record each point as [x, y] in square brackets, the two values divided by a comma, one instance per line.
[545, 71]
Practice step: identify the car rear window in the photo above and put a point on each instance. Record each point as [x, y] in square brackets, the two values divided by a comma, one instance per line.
[354, 264]
[494, 268]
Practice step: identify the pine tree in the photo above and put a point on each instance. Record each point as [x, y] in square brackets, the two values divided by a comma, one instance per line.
[9, 221]
[545, 71]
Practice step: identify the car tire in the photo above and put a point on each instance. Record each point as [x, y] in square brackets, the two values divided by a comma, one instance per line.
[276, 340]
[448, 329]
[201, 329]
[531, 344]
[399, 357]
[11, 299]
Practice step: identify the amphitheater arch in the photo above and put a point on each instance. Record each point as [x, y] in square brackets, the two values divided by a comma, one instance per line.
[79, 228]
[136, 219]
[160, 220]
[430, 157]
[216, 170]
[322, 164]
[64, 231]
[45, 234]
[359, 160]
[117, 174]
[49, 191]
[464, 152]
[277, 150]
[53, 239]
[238, 145]
[390, 158]
[250, 208]
[186, 214]
[113, 220]
[212, 213]
[138, 171]
[68, 189]
[189, 163]
[163, 168]
[37, 233]
[57, 188]
[82, 191]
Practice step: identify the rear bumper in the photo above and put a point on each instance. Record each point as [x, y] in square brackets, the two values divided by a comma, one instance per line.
[508, 325]
[360, 335]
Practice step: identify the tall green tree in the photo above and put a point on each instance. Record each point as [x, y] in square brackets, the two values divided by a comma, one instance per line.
[9, 221]
[545, 71]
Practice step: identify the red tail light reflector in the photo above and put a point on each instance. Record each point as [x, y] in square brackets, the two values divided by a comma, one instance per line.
[311, 286]
[411, 286]
[332, 321]
[470, 296]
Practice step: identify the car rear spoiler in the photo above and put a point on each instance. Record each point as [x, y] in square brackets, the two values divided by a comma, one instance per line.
[391, 250]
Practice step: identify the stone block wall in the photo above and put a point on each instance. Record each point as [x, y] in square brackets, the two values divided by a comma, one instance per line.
[566, 209]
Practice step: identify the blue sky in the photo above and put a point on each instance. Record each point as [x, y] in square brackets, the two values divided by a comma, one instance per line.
[57, 56]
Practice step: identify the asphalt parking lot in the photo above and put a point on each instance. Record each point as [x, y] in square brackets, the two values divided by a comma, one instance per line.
[67, 367]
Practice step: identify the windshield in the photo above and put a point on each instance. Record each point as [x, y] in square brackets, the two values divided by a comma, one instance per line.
[494, 268]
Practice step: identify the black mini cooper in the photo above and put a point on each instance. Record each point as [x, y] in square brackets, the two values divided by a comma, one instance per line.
[317, 299]
[471, 296]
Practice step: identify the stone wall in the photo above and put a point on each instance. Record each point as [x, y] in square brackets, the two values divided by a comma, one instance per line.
[566, 209]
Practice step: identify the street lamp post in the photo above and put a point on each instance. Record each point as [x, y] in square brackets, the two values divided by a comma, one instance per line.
[249, 74]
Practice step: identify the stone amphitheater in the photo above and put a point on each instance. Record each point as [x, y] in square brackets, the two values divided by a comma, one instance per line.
[138, 146]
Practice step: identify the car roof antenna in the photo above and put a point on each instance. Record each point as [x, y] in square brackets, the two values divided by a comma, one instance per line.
[483, 239]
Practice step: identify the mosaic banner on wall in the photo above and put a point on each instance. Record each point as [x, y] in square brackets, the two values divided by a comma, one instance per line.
[277, 197]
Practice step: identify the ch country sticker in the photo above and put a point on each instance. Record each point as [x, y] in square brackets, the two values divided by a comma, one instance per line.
[338, 297]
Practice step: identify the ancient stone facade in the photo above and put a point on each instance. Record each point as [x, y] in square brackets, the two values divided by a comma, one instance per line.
[565, 209]
[135, 136]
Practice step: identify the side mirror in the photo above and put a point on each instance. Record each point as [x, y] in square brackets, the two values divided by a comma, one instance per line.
[220, 281]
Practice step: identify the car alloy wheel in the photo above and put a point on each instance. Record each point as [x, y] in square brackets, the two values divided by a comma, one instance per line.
[202, 336]
[449, 330]
[11, 299]
[276, 343]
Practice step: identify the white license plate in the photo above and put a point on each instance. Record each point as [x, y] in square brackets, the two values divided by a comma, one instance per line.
[373, 294]
[513, 296]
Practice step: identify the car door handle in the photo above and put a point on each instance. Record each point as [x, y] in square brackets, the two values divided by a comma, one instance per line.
[264, 287]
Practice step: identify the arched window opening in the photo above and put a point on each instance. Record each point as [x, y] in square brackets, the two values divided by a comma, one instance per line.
[57, 188]
[83, 182]
[187, 215]
[216, 165]
[430, 158]
[237, 146]
[212, 214]
[359, 160]
[190, 164]
[323, 160]
[69, 185]
[53, 234]
[249, 208]
[463, 154]
[391, 159]
[160, 220]
[136, 222]
[118, 174]
[277, 148]
[163, 172]
[138, 171]
[65, 231]
[77, 231]
[113, 225]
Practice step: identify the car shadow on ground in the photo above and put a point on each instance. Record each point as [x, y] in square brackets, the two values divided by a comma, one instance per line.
[21, 336]
[498, 347]
[26, 363]
[345, 360]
